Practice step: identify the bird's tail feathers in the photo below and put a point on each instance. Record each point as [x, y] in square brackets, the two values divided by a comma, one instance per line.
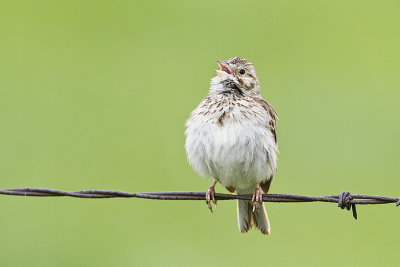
[247, 217]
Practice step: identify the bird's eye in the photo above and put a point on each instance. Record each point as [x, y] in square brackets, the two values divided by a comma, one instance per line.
[242, 71]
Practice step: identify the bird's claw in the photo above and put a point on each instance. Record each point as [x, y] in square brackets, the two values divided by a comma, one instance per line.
[257, 198]
[210, 196]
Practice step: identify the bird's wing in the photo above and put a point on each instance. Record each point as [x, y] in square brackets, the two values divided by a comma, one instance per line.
[274, 116]
[272, 126]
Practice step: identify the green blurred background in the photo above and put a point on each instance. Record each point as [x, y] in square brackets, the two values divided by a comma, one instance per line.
[94, 95]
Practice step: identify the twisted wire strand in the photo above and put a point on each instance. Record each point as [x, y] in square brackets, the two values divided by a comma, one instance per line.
[345, 200]
[186, 195]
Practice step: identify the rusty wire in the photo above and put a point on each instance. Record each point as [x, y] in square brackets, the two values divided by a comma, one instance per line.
[344, 199]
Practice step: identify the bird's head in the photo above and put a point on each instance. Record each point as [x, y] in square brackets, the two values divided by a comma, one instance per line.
[238, 74]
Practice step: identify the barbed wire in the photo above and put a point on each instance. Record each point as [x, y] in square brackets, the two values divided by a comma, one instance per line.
[344, 199]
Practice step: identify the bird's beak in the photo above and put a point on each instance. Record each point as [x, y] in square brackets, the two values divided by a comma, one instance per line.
[223, 69]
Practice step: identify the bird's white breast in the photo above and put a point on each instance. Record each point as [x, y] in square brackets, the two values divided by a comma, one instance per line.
[228, 139]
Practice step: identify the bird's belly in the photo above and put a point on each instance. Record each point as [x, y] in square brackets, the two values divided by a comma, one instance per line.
[238, 155]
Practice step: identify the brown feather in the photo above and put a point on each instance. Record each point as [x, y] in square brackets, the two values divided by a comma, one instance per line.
[231, 189]
[265, 185]
[274, 116]
[250, 216]
[259, 228]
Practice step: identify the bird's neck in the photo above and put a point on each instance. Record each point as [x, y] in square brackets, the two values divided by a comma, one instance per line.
[226, 87]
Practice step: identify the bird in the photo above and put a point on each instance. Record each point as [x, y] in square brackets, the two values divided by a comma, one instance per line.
[231, 138]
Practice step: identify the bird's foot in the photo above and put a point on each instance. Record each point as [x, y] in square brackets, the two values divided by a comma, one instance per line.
[210, 196]
[257, 198]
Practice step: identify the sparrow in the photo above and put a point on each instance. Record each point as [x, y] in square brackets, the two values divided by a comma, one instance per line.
[231, 138]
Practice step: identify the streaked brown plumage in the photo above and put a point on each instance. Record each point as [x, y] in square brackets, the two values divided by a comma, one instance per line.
[231, 137]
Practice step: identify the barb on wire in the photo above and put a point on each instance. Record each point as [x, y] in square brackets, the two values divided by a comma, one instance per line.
[344, 199]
